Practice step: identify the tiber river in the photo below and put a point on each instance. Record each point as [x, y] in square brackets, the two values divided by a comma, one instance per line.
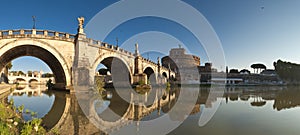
[241, 110]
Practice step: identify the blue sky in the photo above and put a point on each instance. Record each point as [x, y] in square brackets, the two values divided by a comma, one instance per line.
[248, 32]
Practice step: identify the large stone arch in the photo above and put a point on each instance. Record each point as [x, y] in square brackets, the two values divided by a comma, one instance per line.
[149, 71]
[104, 56]
[151, 75]
[63, 80]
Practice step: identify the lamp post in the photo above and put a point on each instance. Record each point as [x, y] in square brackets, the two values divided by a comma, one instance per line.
[34, 22]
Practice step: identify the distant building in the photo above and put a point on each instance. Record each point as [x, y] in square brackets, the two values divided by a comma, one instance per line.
[206, 68]
[205, 72]
[269, 72]
[185, 65]
[266, 77]
[179, 56]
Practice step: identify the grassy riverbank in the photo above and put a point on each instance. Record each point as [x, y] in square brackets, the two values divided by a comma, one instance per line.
[11, 120]
[12, 123]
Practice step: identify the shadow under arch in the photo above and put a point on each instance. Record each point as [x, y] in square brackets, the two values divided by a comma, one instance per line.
[59, 108]
[149, 71]
[38, 52]
[164, 74]
[117, 114]
[120, 71]
[117, 106]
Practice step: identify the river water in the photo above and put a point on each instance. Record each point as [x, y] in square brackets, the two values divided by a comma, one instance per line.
[240, 110]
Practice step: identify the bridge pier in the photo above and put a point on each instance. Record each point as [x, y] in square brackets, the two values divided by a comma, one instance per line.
[139, 76]
[81, 67]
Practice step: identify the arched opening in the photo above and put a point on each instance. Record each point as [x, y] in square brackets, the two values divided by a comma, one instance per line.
[20, 81]
[165, 74]
[33, 86]
[116, 108]
[149, 71]
[150, 75]
[172, 77]
[40, 53]
[114, 72]
[33, 81]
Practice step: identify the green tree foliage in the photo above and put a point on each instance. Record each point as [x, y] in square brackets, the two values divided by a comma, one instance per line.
[21, 73]
[289, 72]
[258, 66]
[11, 122]
[17, 73]
[29, 73]
[99, 84]
[48, 75]
[234, 71]
[245, 71]
[9, 65]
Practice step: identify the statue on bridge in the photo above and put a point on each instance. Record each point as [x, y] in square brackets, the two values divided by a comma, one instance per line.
[80, 24]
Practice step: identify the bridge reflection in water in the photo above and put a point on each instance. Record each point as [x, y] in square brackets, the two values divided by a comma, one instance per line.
[49, 105]
[61, 111]
[112, 115]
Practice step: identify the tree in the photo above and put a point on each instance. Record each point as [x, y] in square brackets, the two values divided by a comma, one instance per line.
[245, 71]
[234, 71]
[9, 65]
[20, 73]
[47, 75]
[289, 72]
[29, 73]
[258, 66]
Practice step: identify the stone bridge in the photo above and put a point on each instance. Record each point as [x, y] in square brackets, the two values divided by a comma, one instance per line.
[23, 79]
[26, 79]
[73, 58]
[28, 89]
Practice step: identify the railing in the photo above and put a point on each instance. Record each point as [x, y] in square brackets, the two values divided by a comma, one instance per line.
[149, 61]
[36, 33]
[153, 63]
[109, 46]
[56, 35]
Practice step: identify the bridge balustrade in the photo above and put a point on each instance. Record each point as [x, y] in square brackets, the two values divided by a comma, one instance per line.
[34, 33]
[109, 46]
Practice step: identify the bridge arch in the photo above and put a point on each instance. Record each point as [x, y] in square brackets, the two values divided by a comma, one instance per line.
[149, 71]
[39, 49]
[33, 80]
[151, 75]
[20, 79]
[119, 62]
[164, 74]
